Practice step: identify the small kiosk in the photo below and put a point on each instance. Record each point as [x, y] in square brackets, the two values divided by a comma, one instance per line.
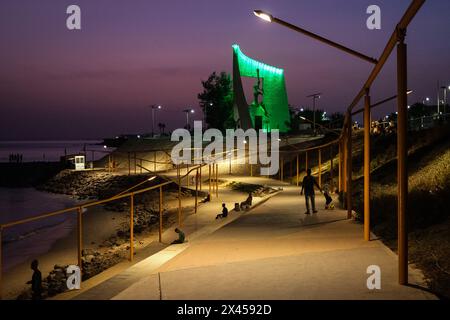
[80, 162]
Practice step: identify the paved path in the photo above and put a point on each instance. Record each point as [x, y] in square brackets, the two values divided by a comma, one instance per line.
[271, 252]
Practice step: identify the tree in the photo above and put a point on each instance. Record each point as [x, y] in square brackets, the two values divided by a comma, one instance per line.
[337, 120]
[216, 101]
[295, 119]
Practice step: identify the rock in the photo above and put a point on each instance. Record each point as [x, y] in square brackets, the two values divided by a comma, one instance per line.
[86, 252]
[89, 258]
[107, 243]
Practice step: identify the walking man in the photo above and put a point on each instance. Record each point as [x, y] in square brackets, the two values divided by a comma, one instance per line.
[308, 186]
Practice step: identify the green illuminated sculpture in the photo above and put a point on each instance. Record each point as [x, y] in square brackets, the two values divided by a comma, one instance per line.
[271, 112]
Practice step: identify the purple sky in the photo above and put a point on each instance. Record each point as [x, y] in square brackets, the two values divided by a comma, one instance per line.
[97, 82]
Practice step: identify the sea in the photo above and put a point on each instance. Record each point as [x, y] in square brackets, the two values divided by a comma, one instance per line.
[33, 151]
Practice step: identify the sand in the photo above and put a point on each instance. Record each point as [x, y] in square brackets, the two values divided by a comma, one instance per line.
[98, 225]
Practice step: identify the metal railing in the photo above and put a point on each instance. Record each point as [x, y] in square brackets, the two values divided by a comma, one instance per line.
[128, 193]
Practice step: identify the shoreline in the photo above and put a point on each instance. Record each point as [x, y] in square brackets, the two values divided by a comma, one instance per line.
[99, 227]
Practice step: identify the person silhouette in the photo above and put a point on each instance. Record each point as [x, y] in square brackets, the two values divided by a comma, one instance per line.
[181, 237]
[224, 213]
[36, 281]
[308, 186]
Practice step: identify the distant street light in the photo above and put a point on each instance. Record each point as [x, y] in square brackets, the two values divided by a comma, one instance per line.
[187, 111]
[314, 97]
[445, 97]
[153, 107]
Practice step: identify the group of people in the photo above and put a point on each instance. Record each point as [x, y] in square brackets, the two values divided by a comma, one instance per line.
[15, 158]
[308, 184]
[381, 127]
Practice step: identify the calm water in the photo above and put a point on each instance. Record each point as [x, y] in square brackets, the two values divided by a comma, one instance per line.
[26, 241]
[50, 150]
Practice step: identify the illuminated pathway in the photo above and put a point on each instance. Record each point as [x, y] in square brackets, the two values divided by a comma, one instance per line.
[272, 252]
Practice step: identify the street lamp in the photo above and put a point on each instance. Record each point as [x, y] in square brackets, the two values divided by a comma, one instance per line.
[380, 102]
[265, 16]
[153, 107]
[314, 97]
[445, 96]
[269, 18]
[188, 111]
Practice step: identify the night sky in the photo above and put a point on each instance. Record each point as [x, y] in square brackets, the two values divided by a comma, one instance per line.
[94, 83]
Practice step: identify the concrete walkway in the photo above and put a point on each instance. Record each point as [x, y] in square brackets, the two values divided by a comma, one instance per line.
[271, 252]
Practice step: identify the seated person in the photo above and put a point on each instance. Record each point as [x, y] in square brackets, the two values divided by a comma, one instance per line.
[206, 199]
[248, 202]
[224, 213]
[180, 237]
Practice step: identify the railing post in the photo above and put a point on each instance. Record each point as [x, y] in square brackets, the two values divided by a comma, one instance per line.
[154, 161]
[345, 154]
[196, 191]
[282, 169]
[135, 171]
[80, 237]
[297, 169]
[1, 262]
[290, 168]
[187, 175]
[209, 181]
[320, 167]
[160, 213]
[367, 166]
[331, 169]
[340, 167]
[251, 170]
[402, 154]
[217, 180]
[349, 167]
[131, 227]
[179, 199]
[214, 177]
[200, 182]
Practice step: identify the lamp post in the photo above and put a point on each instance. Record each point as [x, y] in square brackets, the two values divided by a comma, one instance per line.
[314, 97]
[188, 111]
[445, 97]
[269, 18]
[153, 107]
[380, 103]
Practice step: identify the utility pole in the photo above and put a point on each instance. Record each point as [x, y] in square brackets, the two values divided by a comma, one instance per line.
[314, 97]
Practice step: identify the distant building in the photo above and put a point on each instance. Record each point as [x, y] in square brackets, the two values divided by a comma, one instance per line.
[75, 161]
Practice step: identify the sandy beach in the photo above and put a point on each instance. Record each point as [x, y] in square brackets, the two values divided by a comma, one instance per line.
[60, 244]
